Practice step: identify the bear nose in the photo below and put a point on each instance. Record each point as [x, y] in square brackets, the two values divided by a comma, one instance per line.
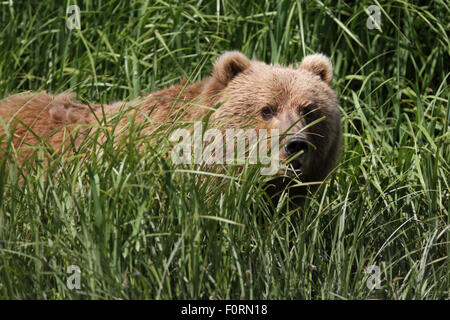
[296, 144]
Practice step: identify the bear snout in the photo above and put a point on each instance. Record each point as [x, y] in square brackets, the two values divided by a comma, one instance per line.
[297, 149]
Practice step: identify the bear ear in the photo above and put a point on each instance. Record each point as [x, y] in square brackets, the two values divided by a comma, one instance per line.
[318, 64]
[229, 65]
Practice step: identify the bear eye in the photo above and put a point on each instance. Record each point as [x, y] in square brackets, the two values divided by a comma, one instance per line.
[267, 113]
[309, 112]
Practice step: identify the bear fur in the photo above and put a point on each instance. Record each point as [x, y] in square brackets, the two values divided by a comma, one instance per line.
[244, 93]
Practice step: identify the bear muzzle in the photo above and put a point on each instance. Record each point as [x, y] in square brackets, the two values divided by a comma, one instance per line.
[297, 149]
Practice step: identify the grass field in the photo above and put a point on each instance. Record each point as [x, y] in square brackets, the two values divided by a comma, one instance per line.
[139, 227]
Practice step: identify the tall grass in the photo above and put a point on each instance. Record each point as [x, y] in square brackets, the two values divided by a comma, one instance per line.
[140, 227]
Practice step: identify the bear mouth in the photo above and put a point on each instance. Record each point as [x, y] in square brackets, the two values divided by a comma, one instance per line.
[293, 167]
[291, 170]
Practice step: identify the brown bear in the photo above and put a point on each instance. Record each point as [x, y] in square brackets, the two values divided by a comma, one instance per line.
[298, 101]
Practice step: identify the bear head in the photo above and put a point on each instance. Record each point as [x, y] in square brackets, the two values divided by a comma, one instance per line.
[299, 101]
